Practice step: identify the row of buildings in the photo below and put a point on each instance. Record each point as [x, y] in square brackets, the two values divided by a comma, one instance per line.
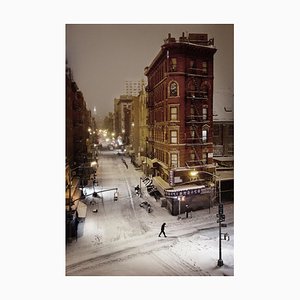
[169, 127]
[81, 142]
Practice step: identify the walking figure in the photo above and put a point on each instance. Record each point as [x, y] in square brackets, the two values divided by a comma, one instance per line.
[162, 230]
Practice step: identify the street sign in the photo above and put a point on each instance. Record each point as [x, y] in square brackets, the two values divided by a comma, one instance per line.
[221, 218]
[223, 225]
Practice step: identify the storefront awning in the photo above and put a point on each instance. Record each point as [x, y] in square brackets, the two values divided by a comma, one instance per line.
[160, 184]
[151, 162]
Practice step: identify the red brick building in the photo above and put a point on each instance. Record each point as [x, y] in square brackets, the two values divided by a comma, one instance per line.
[78, 120]
[180, 104]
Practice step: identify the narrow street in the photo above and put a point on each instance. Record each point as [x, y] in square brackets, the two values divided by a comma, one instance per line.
[121, 238]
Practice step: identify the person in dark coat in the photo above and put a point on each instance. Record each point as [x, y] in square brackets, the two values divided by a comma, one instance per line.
[162, 230]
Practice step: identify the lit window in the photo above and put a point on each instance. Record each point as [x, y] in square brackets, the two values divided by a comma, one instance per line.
[204, 112]
[173, 65]
[174, 160]
[174, 136]
[173, 113]
[204, 136]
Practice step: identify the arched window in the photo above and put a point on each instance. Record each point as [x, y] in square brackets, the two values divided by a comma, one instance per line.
[205, 129]
[173, 89]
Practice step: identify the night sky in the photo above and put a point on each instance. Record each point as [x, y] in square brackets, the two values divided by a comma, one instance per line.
[102, 57]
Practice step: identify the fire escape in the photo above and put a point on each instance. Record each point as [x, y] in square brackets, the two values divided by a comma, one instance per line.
[197, 96]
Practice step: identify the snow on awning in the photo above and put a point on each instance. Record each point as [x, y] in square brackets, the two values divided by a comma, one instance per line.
[160, 184]
[151, 162]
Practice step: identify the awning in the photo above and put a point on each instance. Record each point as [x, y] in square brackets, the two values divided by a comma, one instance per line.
[151, 162]
[160, 184]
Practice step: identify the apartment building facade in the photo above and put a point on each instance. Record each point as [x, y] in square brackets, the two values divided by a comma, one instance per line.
[180, 108]
[122, 113]
[180, 103]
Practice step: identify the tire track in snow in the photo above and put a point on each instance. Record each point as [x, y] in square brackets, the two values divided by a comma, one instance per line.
[128, 190]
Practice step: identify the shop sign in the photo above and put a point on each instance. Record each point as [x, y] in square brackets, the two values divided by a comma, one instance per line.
[183, 192]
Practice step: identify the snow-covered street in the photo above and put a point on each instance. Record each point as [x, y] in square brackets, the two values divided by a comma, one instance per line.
[121, 238]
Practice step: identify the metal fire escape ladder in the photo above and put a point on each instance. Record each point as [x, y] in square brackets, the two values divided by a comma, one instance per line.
[194, 121]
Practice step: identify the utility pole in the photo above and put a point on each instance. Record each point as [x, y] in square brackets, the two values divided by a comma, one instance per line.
[220, 216]
[220, 220]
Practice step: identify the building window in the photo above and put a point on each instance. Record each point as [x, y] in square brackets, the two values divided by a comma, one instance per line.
[173, 89]
[193, 134]
[173, 113]
[192, 64]
[204, 91]
[174, 136]
[216, 130]
[173, 65]
[192, 111]
[204, 136]
[174, 160]
[193, 156]
[204, 67]
[204, 113]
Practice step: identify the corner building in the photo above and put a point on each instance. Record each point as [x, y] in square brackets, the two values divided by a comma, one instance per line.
[180, 107]
[180, 102]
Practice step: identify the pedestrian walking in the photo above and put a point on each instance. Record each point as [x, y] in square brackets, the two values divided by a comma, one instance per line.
[186, 211]
[162, 230]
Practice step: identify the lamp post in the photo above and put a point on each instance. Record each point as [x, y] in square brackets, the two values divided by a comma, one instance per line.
[220, 261]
